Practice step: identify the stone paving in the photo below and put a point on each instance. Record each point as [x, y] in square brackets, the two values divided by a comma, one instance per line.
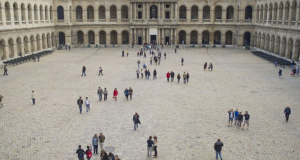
[187, 119]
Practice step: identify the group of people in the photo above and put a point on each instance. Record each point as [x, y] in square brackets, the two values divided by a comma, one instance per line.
[186, 77]
[147, 74]
[210, 66]
[238, 118]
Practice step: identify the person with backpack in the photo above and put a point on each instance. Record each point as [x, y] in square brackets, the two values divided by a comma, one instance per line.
[88, 153]
[80, 153]
[95, 143]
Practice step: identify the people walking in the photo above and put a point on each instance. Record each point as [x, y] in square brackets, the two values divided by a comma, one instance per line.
[105, 92]
[1, 97]
[5, 70]
[149, 146]
[187, 77]
[218, 148]
[168, 76]
[87, 104]
[83, 71]
[287, 112]
[138, 62]
[88, 153]
[172, 76]
[126, 93]
[178, 77]
[33, 98]
[280, 73]
[205, 66]
[80, 153]
[154, 74]
[136, 121]
[182, 60]
[137, 73]
[184, 77]
[246, 121]
[115, 95]
[130, 92]
[100, 71]
[231, 116]
[101, 141]
[95, 143]
[79, 103]
[100, 92]
[155, 146]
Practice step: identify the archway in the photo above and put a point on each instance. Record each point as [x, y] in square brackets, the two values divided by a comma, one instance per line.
[206, 12]
[153, 12]
[26, 45]
[228, 39]
[32, 45]
[61, 38]
[113, 37]
[194, 13]
[182, 37]
[60, 13]
[101, 12]
[80, 37]
[11, 48]
[218, 12]
[113, 12]
[248, 12]
[79, 13]
[90, 12]
[283, 48]
[124, 12]
[230, 12]
[102, 37]
[217, 37]
[2, 50]
[125, 37]
[182, 12]
[91, 36]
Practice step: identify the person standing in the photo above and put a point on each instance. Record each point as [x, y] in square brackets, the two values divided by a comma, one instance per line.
[178, 77]
[287, 112]
[130, 92]
[95, 143]
[218, 148]
[149, 146]
[87, 104]
[280, 73]
[168, 76]
[102, 140]
[5, 71]
[88, 153]
[182, 60]
[205, 66]
[80, 153]
[172, 76]
[100, 92]
[246, 121]
[126, 93]
[137, 73]
[136, 121]
[231, 116]
[1, 97]
[115, 94]
[105, 94]
[33, 98]
[100, 71]
[79, 103]
[83, 70]
[184, 77]
[138, 62]
[187, 77]
[154, 74]
[155, 146]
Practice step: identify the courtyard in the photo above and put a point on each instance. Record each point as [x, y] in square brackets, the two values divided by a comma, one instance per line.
[186, 118]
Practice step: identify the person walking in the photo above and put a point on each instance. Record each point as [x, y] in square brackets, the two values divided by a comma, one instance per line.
[100, 71]
[246, 121]
[184, 77]
[95, 143]
[218, 148]
[5, 70]
[88, 153]
[100, 92]
[130, 92]
[187, 77]
[240, 118]
[155, 146]
[126, 93]
[182, 60]
[138, 62]
[172, 76]
[168, 76]
[83, 71]
[154, 74]
[80, 153]
[287, 112]
[280, 73]
[33, 98]
[165, 54]
[137, 73]
[149, 146]
[87, 104]
[101, 141]
[205, 66]
[105, 94]
[178, 77]
[231, 116]
[79, 103]
[136, 121]
[1, 97]
[115, 95]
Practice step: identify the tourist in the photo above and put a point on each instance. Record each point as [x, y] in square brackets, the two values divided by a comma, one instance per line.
[172, 76]
[184, 77]
[150, 60]
[138, 62]
[130, 92]
[88, 153]
[168, 76]
[165, 54]
[1, 97]
[137, 73]
[5, 71]
[136, 121]
[80, 153]
[240, 120]
[155, 146]
[178, 77]
[115, 94]
[182, 60]
[126, 93]
[142, 74]
[100, 92]
[105, 92]
[80, 102]
[102, 140]
[111, 156]
[205, 66]
[100, 71]
[187, 77]
[210, 67]
[33, 98]
[280, 73]
[236, 113]
[103, 155]
[95, 143]
[246, 121]
[87, 104]
[218, 148]
[83, 71]
[149, 146]
[117, 157]
[287, 112]
[154, 74]
[231, 115]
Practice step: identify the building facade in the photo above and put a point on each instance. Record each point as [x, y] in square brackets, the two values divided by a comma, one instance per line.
[31, 25]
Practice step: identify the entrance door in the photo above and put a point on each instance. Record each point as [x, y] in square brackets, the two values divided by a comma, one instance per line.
[139, 40]
[153, 39]
[167, 40]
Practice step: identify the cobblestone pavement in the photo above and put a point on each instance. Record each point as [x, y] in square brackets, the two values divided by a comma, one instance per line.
[187, 119]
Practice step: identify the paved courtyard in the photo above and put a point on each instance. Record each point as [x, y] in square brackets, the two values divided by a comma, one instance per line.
[187, 119]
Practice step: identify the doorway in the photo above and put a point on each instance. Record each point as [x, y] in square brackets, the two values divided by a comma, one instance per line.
[140, 40]
[153, 39]
[167, 40]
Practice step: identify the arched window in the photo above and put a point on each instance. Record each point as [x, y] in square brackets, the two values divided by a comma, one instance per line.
[60, 13]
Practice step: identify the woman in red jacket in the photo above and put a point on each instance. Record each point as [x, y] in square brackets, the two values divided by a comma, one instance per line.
[115, 94]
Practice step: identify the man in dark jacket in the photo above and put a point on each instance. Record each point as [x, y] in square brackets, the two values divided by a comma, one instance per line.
[80, 153]
[287, 112]
[80, 102]
[218, 148]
